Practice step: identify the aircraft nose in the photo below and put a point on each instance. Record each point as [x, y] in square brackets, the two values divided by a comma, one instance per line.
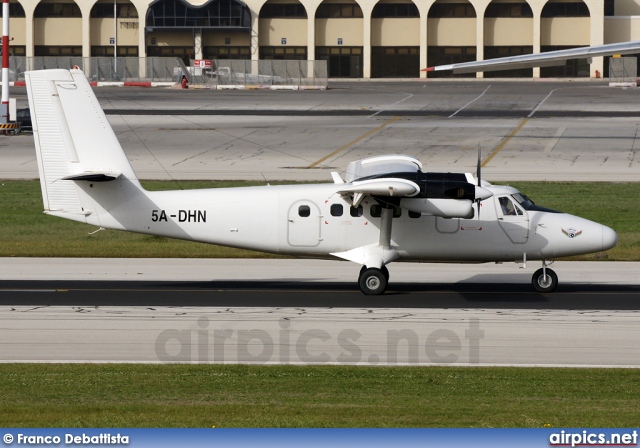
[609, 238]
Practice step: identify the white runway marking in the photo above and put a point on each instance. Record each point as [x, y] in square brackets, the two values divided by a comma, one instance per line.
[554, 141]
[540, 104]
[409, 95]
[470, 102]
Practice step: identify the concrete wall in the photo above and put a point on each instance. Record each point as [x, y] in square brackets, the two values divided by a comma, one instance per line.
[500, 31]
[329, 30]
[565, 31]
[217, 39]
[102, 31]
[395, 32]
[271, 31]
[58, 31]
[452, 32]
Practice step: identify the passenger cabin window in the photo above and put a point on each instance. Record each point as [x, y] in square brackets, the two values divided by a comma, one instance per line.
[356, 212]
[336, 210]
[414, 215]
[508, 208]
[304, 211]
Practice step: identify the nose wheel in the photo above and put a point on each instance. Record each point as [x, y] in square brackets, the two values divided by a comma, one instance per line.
[373, 281]
[544, 280]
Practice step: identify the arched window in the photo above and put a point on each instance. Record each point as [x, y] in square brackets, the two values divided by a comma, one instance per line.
[60, 10]
[215, 14]
[15, 10]
[572, 9]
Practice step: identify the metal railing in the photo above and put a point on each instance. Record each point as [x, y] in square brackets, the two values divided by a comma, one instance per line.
[229, 72]
[623, 71]
[105, 69]
[222, 72]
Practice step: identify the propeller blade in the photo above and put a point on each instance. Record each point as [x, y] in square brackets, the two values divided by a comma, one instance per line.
[479, 187]
[479, 166]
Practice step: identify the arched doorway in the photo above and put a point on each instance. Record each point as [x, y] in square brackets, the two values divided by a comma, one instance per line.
[58, 30]
[508, 31]
[339, 37]
[395, 40]
[283, 30]
[451, 35]
[564, 25]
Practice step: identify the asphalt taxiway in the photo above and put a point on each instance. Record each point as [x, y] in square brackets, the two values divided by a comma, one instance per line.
[526, 130]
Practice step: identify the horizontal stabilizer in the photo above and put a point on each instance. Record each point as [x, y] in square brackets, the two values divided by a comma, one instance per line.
[93, 176]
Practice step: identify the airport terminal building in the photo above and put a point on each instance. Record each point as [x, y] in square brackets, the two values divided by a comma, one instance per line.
[358, 38]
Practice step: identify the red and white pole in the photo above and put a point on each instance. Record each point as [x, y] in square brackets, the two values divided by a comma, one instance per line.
[5, 54]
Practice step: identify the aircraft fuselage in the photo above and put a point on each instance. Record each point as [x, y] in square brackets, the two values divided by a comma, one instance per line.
[314, 221]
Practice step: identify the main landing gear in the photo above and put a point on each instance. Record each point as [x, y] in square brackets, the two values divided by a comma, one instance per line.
[373, 281]
[544, 279]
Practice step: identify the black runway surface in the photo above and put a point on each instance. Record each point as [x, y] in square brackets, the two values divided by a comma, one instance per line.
[316, 294]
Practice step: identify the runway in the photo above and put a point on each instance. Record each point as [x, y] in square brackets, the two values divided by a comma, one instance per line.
[432, 315]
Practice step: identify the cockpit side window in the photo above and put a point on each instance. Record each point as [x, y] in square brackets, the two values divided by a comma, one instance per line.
[508, 208]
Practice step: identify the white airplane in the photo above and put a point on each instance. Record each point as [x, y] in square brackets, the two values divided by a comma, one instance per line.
[385, 209]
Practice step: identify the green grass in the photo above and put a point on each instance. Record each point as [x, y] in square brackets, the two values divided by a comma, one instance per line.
[71, 395]
[27, 232]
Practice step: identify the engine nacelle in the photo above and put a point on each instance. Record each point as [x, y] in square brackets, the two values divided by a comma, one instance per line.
[445, 208]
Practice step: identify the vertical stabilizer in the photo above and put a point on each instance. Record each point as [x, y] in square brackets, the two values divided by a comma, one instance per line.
[73, 139]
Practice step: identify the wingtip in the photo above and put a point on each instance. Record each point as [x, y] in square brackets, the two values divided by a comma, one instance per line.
[428, 69]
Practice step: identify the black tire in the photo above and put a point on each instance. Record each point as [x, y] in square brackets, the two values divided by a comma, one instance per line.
[372, 282]
[544, 285]
[384, 270]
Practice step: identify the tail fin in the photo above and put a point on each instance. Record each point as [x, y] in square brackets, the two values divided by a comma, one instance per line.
[74, 141]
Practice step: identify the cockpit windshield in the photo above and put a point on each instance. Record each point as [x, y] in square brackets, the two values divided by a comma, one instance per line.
[529, 205]
[523, 200]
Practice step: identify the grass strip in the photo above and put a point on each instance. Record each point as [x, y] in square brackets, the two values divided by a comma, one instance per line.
[129, 395]
[27, 232]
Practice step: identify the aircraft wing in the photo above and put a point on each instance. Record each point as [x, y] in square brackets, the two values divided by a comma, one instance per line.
[548, 59]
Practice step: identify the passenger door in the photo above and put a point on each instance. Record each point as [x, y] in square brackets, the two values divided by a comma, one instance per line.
[303, 227]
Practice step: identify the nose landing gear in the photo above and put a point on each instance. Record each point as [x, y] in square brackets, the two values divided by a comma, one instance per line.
[544, 279]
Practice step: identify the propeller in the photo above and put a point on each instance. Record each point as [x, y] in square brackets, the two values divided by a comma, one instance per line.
[478, 176]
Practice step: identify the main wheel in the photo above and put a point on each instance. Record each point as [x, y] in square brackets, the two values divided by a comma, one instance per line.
[542, 284]
[372, 281]
[384, 270]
